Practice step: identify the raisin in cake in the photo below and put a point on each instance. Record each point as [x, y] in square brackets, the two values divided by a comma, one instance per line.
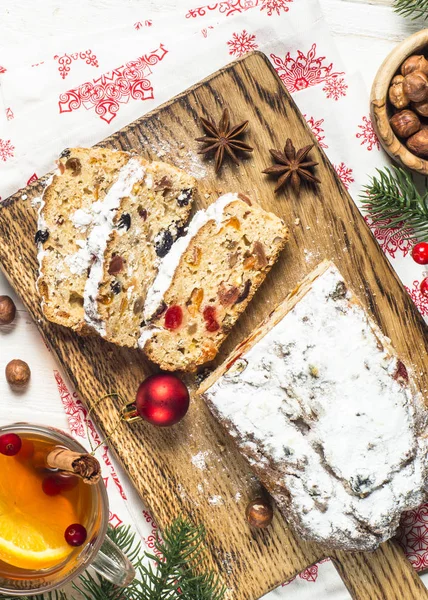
[85, 212]
[207, 280]
[327, 416]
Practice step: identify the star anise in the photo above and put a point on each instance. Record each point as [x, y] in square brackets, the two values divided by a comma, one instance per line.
[292, 166]
[223, 138]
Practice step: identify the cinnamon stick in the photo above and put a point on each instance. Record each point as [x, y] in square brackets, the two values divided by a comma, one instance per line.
[85, 466]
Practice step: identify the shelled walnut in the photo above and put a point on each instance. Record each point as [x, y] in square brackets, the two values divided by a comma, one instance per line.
[409, 91]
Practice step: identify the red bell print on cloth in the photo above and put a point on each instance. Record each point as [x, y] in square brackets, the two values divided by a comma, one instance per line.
[317, 130]
[9, 114]
[307, 70]
[114, 88]
[231, 7]
[241, 43]
[367, 135]
[345, 174]
[139, 24]
[391, 239]
[6, 150]
[65, 60]
[418, 298]
[413, 536]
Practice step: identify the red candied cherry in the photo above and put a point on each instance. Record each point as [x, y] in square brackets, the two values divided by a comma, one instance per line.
[420, 253]
[75, 535]
[10, 444]
[211, 323]
[424, 286]
[173, 317]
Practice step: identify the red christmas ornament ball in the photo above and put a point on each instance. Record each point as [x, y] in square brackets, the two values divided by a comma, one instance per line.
[162, 399]
[420, 253]
[424, 286]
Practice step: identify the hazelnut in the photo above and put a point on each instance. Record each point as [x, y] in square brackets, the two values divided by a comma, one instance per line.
[259, 513]
[415, 86]
[405, 123]
[421, 108]
[418, 143]
[417, 62]
[396, 94]
[74, 164]
[7, 310]
[17, 373]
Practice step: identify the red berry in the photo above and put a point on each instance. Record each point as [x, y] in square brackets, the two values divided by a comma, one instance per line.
[424, 286]
[10, 444]
[173, 317]
[420, 253]
[51, 486]
[59, 482]
[211, 323]
[162, 399]
[75, 535]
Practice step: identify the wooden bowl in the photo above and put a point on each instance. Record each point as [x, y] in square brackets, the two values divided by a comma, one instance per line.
[380, 107]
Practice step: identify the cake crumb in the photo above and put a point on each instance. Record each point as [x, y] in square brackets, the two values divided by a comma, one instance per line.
[297, 221]
[238, 496]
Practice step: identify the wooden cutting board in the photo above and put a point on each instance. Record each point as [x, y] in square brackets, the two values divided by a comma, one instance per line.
[161, 462]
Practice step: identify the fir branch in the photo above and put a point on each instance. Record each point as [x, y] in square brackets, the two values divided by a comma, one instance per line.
[173, 573]
[414, 9]
[393, 195]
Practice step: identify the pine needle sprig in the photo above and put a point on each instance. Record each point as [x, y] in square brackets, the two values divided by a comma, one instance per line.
[414, 9]
[393, 196]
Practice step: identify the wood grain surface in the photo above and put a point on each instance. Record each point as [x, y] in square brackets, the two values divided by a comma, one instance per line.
[329, 225]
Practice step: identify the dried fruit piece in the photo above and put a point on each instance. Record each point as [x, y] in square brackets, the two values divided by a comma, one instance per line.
[245, 292]
[259, 252]
[164, 184]
[106, 299]
[173, 317]
[163, 243]
[227, 293]
[74, 164]
[195, 301]
[233, 222]
[185, 197]
[116, 265]
[142, 213]
[250, 263]
[124, 221]
[41, 236]
[211, 323]
[116, 287]
[233, 259]
[194, 257]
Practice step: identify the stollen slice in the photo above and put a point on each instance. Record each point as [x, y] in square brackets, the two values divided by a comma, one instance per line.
[207, 280]
[327, 416]
[87, 218]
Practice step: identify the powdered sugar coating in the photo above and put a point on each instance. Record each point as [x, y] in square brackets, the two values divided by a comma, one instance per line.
[317, 400]
[103, 215]
[170, 262]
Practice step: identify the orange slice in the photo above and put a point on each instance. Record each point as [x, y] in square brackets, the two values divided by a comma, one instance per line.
[32, 524]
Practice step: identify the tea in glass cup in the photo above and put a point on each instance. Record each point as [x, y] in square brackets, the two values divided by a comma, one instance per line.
[52, 523]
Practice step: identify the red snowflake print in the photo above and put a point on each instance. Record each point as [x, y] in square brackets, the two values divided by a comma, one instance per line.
[418, 298]
[413, 536]
[139, 25]
[335, 88]
[231, 7]
[32, 179]
[345, 174]
[114, 520]
[303, 71]
[2, 70]
[6, 150]
[65, 61]
[241, 43]
[367, 135]
[310, 574]
[106, 93]
[9, 114]
[391, 239]
[317, 130]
